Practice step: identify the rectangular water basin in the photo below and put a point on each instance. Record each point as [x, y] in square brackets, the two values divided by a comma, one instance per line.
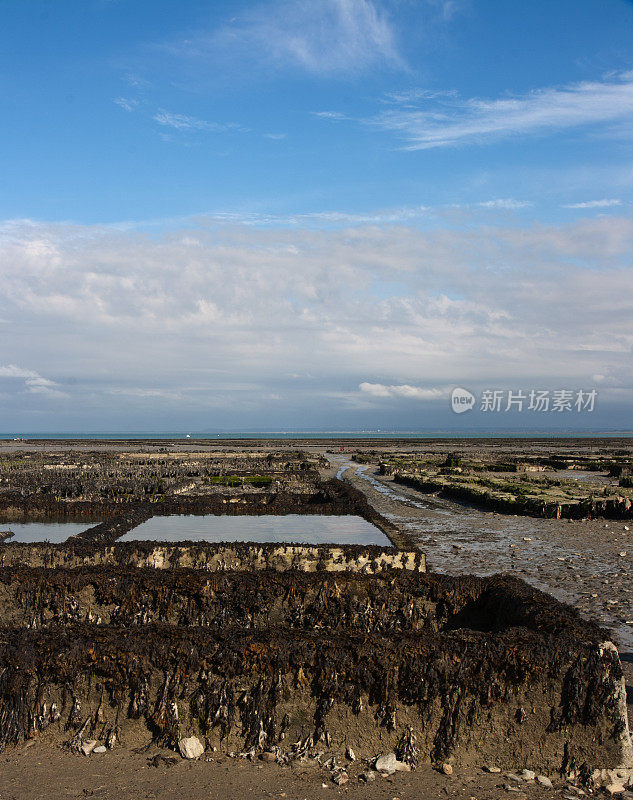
[53, 532]
[299, 528]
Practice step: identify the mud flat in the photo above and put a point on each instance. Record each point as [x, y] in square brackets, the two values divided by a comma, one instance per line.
[588, 563]
[300, 653]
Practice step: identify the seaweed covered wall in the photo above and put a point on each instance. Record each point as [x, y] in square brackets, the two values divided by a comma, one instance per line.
[75, 494]
[614, 507]
[478, 669]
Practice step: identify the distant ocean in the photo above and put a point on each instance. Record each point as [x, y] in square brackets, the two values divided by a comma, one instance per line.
[379, 434]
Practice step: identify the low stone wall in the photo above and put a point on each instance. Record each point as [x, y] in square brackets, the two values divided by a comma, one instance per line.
[214, 557]
[608, 507]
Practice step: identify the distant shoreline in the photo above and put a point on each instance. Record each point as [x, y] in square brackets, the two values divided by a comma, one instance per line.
[311, 435]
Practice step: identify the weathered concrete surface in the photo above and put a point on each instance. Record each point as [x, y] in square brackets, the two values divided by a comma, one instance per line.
[214, 557]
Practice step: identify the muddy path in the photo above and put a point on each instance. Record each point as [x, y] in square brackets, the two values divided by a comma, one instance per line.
[585, 563]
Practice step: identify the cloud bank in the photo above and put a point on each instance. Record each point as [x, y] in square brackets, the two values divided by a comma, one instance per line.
[227, 322]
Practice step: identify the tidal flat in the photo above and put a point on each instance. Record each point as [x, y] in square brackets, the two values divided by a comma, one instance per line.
[415, 644]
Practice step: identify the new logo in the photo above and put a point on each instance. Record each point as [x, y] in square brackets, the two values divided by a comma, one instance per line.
[462, 400]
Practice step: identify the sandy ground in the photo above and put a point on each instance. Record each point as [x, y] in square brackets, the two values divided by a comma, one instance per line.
[41, 773]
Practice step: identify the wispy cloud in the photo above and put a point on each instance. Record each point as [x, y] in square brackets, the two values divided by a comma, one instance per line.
[127, 103]
[145, 393]
[181, 122]
[330, 37]
[13, 371]
[426, 120]
[400, 390]
[184, 122]
[317, 219]
[330, 115]
[34, 383]
[505, 203]
[604, 203]
[449, 8]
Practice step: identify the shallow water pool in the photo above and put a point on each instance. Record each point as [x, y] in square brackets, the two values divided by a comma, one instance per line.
[53, 532]
[299, 528]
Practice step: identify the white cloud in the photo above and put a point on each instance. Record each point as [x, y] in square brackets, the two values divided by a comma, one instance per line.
[145, 393]
[45, 387]
[219, 315]
[400, 390]
[448, 8]
[127, 103]
[605, 203]
[427, 120]
[329, 37]
[330, 115]
[506, 203]
[33, 381]
[11, 371]
[324, 218]
[183, 122]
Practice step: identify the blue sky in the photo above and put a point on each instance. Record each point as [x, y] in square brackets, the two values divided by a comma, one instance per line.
[248, 214]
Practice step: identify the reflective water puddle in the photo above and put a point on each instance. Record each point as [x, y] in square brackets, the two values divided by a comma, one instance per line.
[299, 528]
[53, 532]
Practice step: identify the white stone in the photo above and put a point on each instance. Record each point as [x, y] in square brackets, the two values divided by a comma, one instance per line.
[386, 763]
[100, 749]
[614, 788]
[191, 747]
[528, 774]
[389, 763]
[544, 781]
[87, 746]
